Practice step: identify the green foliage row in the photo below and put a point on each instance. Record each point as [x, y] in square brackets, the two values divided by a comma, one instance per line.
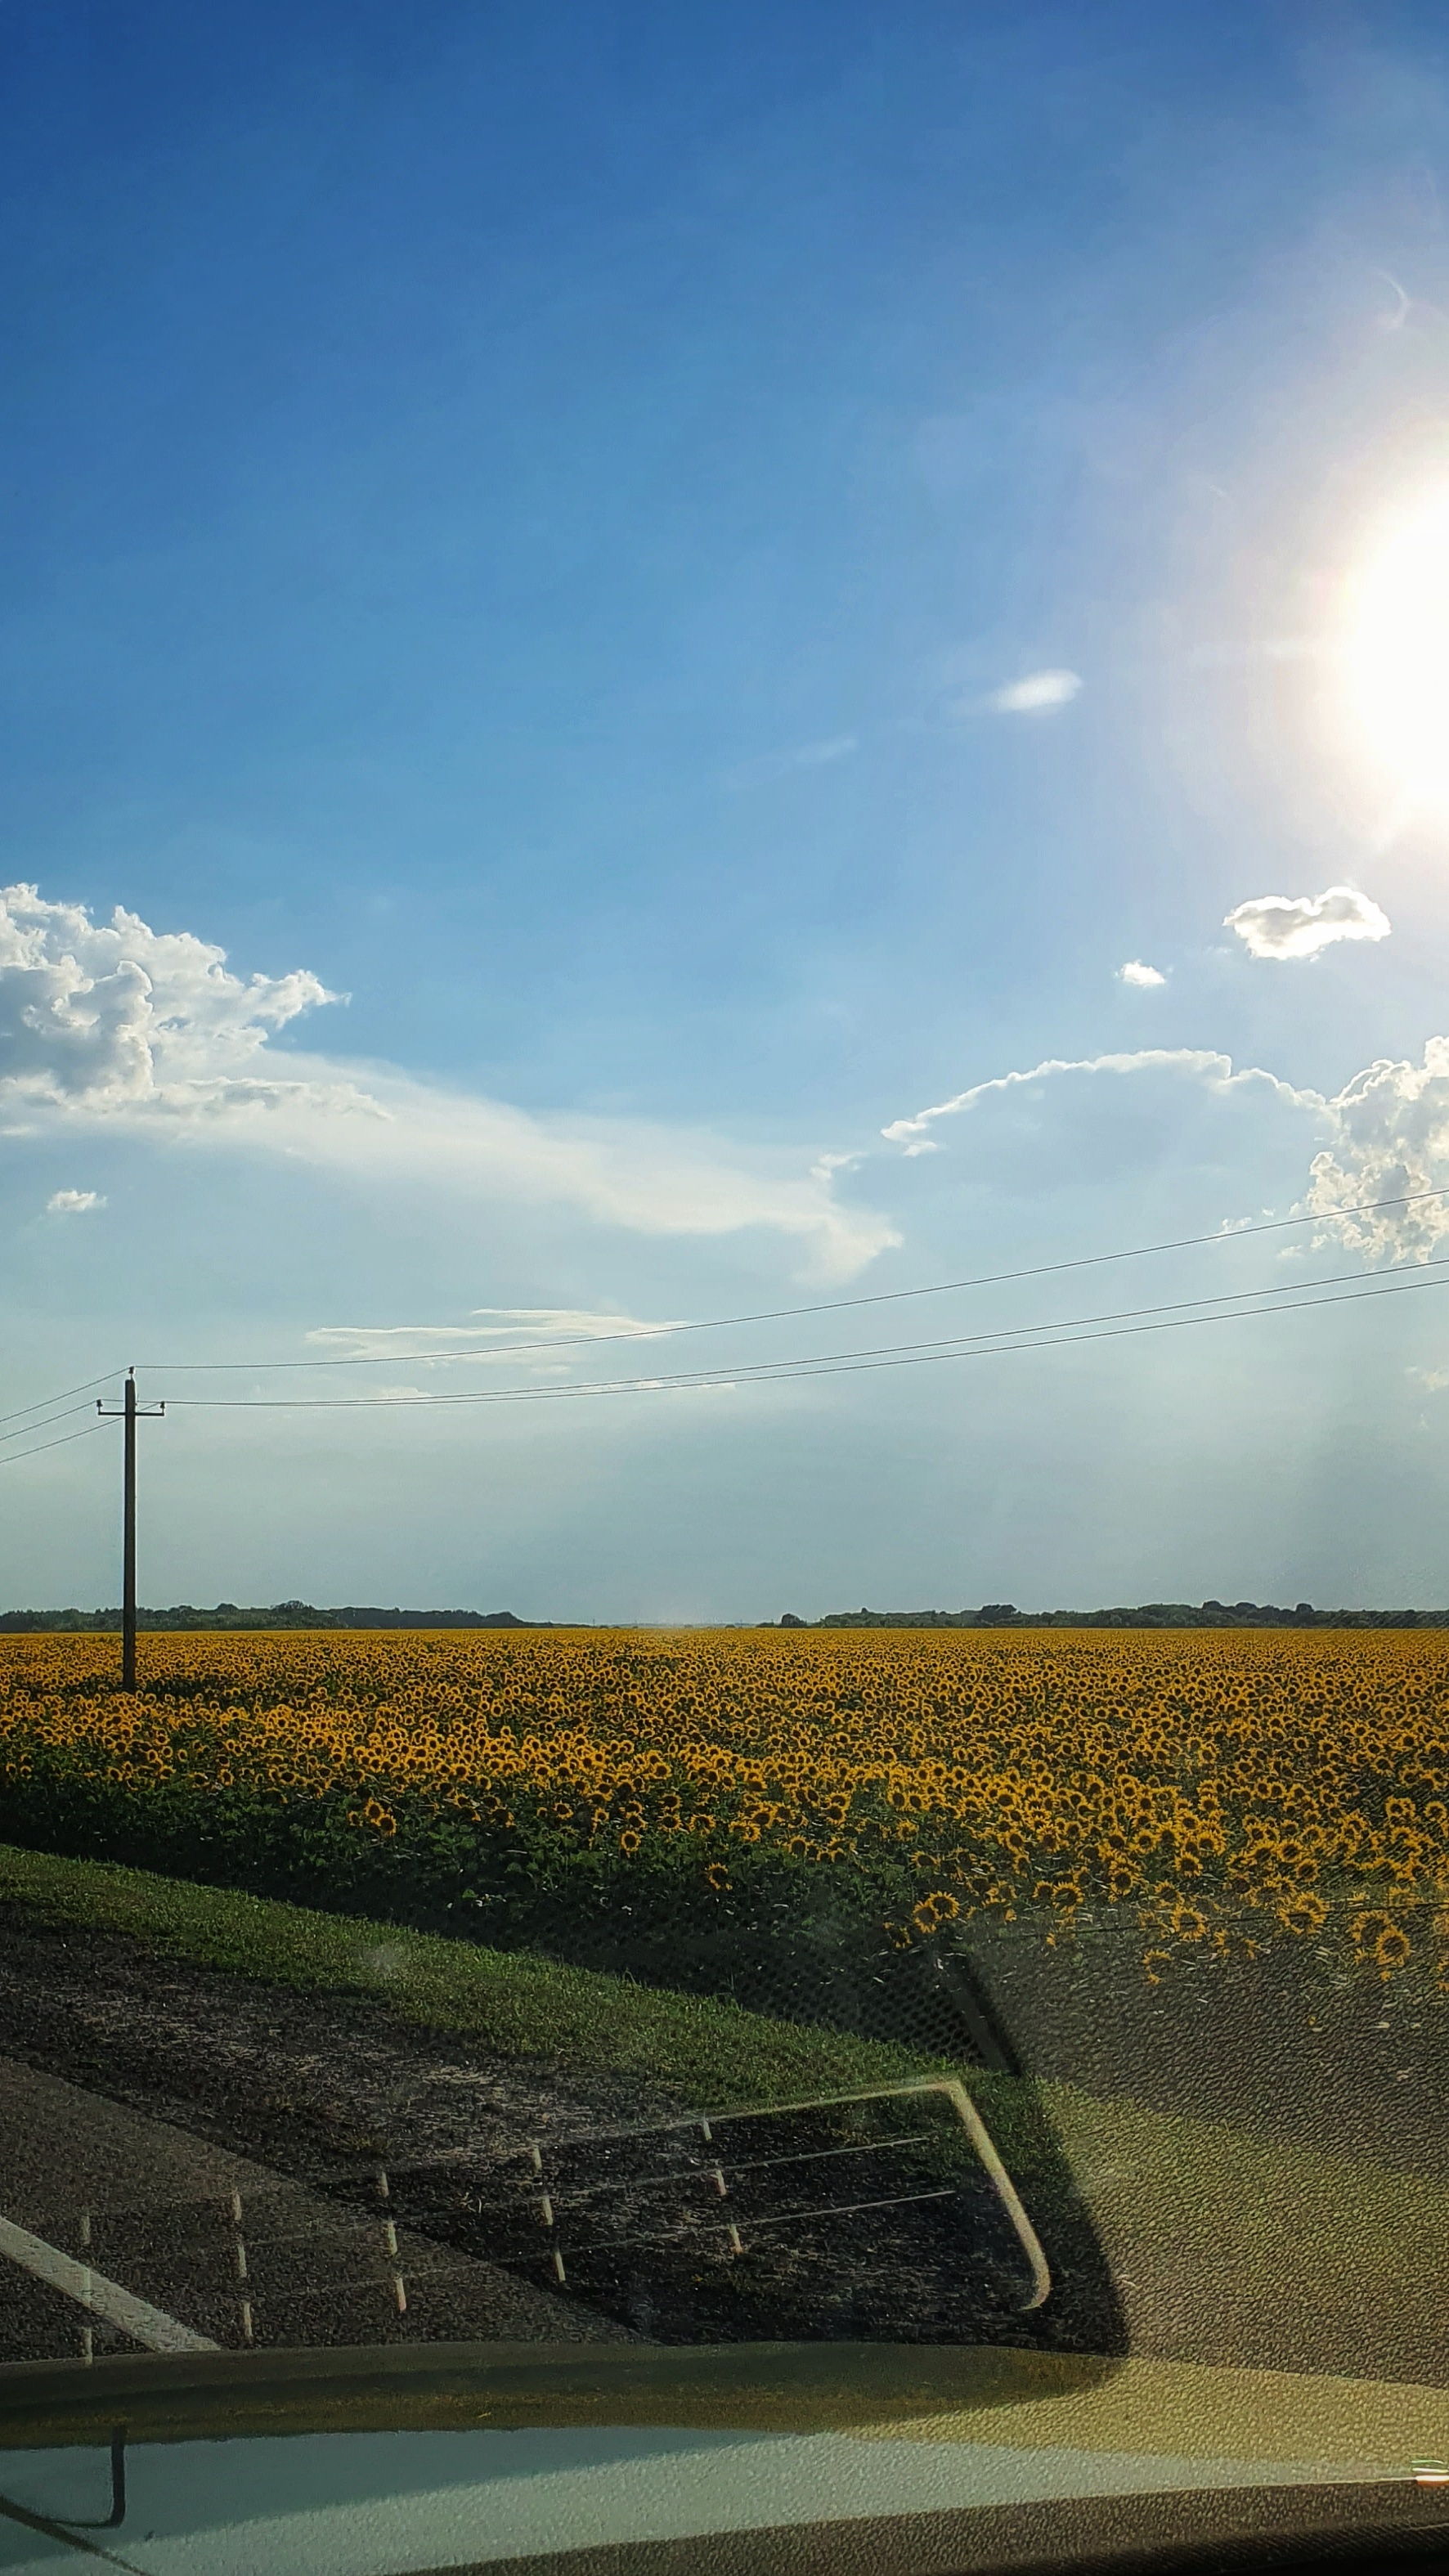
[779, 1935]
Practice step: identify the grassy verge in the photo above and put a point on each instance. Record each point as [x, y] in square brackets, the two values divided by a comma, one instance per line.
[701, 2049]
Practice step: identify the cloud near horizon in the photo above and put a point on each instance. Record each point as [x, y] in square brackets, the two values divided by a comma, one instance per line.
[1286, 926]
[73, 1202]
[1145, 978]
[114, 1026]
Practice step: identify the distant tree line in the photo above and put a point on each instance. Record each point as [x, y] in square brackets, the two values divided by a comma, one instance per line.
[1149, 1614]
[992, 1614]
[282, 1614]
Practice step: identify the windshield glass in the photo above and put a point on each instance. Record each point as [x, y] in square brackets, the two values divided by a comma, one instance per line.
[726, 785]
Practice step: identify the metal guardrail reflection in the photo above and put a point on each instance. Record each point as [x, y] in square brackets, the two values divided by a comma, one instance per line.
[293, 2264]
[697, 2184]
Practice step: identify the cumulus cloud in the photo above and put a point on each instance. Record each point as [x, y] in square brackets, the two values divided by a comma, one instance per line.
[113, 1017]
[1134, 972]
[1286, 926]
[73, 1202]
[114, 1025]
[1390, 1140]
[1068, 1121]
[1038, 690]
[1383, 1137]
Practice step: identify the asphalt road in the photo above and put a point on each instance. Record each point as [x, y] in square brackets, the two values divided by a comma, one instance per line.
[121, 2233]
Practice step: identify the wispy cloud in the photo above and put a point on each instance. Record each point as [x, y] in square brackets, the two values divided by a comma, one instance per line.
[73, 1202]
[114, 1026]
[1146, 978]
[1394, 316]
[1284, 926]
[508, 1333]
[801, 755]
[1038, 691]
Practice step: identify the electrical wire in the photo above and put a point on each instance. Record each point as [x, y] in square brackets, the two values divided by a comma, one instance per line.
[43, 1403]
[17, 1454]
[785, 1314]
[962, 1345]
[1066, 1334]
[26, 1429]
[845, 1364]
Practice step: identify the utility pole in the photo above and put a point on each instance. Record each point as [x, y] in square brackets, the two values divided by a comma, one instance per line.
[130, 1415]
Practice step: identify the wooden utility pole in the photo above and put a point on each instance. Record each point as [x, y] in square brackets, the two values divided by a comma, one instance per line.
[130, 1415]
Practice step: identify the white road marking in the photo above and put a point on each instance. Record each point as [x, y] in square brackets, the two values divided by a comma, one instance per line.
[135, 2317]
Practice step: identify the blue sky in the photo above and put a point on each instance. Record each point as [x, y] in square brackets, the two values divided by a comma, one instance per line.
[547, 525]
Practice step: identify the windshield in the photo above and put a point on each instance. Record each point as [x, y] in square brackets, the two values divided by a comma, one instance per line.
[726, 783]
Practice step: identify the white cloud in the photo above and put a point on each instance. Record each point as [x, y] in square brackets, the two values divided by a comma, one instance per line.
[1390, 1141]
[114, 1025]
[645, 1177]
[108, 1017]
[73, 1202]
[1145, 977]
[1089, 1119]
[1384, 1137]
[508, 1333]
[1284, 926]
[1038, 690]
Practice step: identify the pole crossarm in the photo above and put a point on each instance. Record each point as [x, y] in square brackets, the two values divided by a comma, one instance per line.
[130, 1413]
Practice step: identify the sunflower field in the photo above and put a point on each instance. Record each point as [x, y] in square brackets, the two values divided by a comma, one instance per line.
[1205, 1790]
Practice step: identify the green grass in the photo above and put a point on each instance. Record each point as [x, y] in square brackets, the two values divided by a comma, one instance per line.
[513, 2005]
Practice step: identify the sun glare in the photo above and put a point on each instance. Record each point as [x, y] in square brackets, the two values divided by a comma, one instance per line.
[1396, 656]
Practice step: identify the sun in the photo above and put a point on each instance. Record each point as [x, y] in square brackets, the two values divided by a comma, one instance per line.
[1396, 649]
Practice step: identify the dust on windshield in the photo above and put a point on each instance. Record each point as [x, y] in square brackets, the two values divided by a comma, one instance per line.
[1055, 1987]
[726, 792]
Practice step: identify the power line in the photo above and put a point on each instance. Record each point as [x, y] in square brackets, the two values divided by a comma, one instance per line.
[785, 1314]
[27, 1429]
[808, 1360]
[1067, 1334]
[722, 1323]
[17, 1454]
[43, 1403]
